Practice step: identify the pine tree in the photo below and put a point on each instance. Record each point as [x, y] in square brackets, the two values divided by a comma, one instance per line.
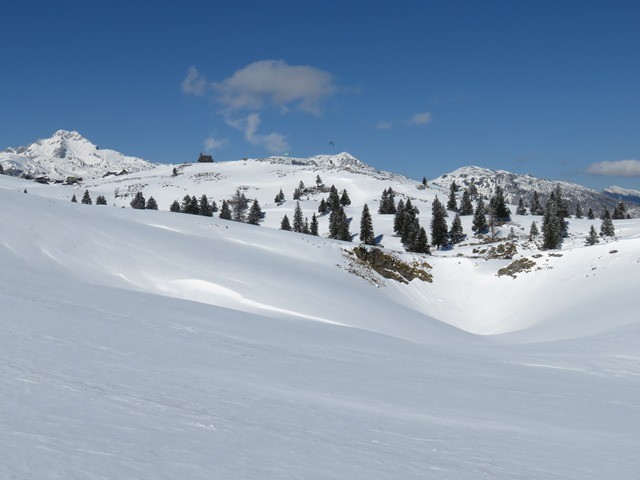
[384, 201]
[536, 206]
[214, 207]
[279, 197]
[297, 193]
[313, 227]
[284, 224]
[562, 205]
[533, 231]
[424, 181]
[456, 234]
[239, 206]
[205, 207]
[175, 207]
[552, 224]
[194, 206]
[439, 230]
[466, 207]
[186, 204]
[138, 202]
[74, 199]
[305, 226]
[366, 227]
[345, 201]
[480, 224]
[100, 200]
[452, 204]
[1, 170]
[333, 201]
[620, 212]
[343, 227]
[298, 220]
[497, 206]
[323, 208]
[590, 214]
[606, 228]
[578, 210]
[592, 239]
[152, 204]
[86, 198]
[318, 181]
[225, 211]
[398, 218]
[255, 214]
[175, 172]
[421, 244]
[521, 210]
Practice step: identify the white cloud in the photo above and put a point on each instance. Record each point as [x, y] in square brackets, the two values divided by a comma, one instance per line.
[194, 83]
[420, 119]
[620, 168]
[212, 143]
[275, 82]
[273, 142]
[382, 125]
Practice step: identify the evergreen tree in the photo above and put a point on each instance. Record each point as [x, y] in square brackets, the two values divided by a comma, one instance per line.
[456, 234]
[255, 214]
[562, 205]
[552, 224]
[398, 218]
[536, 206]
[473, 191]
[323, 208]
[578, 210]
[480, 224]
[533, 231]
[333, 201]
[439, 230]
[521, 210]
[498, 207]
[175, 172]
[214, 207]
[421, 244]
[1, 170]
[318, 181]
[194, 206]
[239, 206]
[225, 211]
[590, 214]
[284, 224]
[606, 228]
[100, 200]
[620, 212]
[424, 182]
[366, 227]
[86, 198]
[343, 227]
[452, 204]
[305, 226]
[592, 239]
[313, 227]
[466, 207]
[186, 204]
[175, 207]
[152, 204]
[74, 199]
[345, 201]
[279, 197]
[298, 220]
[387, 202]
[138, 202]
[297, 193]
[205, 207]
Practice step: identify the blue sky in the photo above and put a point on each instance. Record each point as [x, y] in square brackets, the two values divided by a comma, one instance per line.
[420, 88]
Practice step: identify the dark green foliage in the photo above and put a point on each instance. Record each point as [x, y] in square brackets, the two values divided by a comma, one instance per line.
[225, 211]
[387, 202]
[606, 228]
[498, 207]
[318, 181]
[74, 199]
[521, 210]
[205, 207]
[100, 200]
[86, 198]
[285, 224]
[255, 214]
[313, 227]
[473, 191]
[175, 207]
[298, 220]
[562, 205]
[190, 205]
[592, 239]
[138, 202]
[480, 224]
[366, 227]
[456, 234]
[334, 199]
[466, 207]
[533, 231]
[339, 225]
[553, 224]
[399, 217]
[175, 172]
[323, 208]
[421, 243]
[305, 226]
[279, 197]
[590, 214]
[239, 206]
[25, 190]
[152, 204]
[214, 207]
[536, 206]
[424, 181]
[620, 212]
[578, 210]
[297, 194]
[452, 203]
[439, 229]
[345, 201]
[1, 170]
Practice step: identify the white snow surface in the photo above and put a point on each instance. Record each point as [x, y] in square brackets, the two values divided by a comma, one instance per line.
[148, 344]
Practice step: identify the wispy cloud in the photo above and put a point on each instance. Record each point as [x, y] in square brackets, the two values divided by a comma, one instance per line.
[382, 125]
[213, 143]
[620, 168]
[420, 118]
[194, 83]
[273, 142]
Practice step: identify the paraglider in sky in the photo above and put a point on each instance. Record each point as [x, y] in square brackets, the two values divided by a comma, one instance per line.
[331, 143]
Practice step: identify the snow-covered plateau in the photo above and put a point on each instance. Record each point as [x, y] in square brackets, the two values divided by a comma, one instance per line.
[144, 344]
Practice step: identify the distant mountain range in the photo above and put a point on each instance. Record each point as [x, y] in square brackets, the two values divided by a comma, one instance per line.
[68, 154]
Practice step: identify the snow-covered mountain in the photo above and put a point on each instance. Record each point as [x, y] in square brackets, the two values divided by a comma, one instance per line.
[623, 194]
[67, 154]
[516, 186]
